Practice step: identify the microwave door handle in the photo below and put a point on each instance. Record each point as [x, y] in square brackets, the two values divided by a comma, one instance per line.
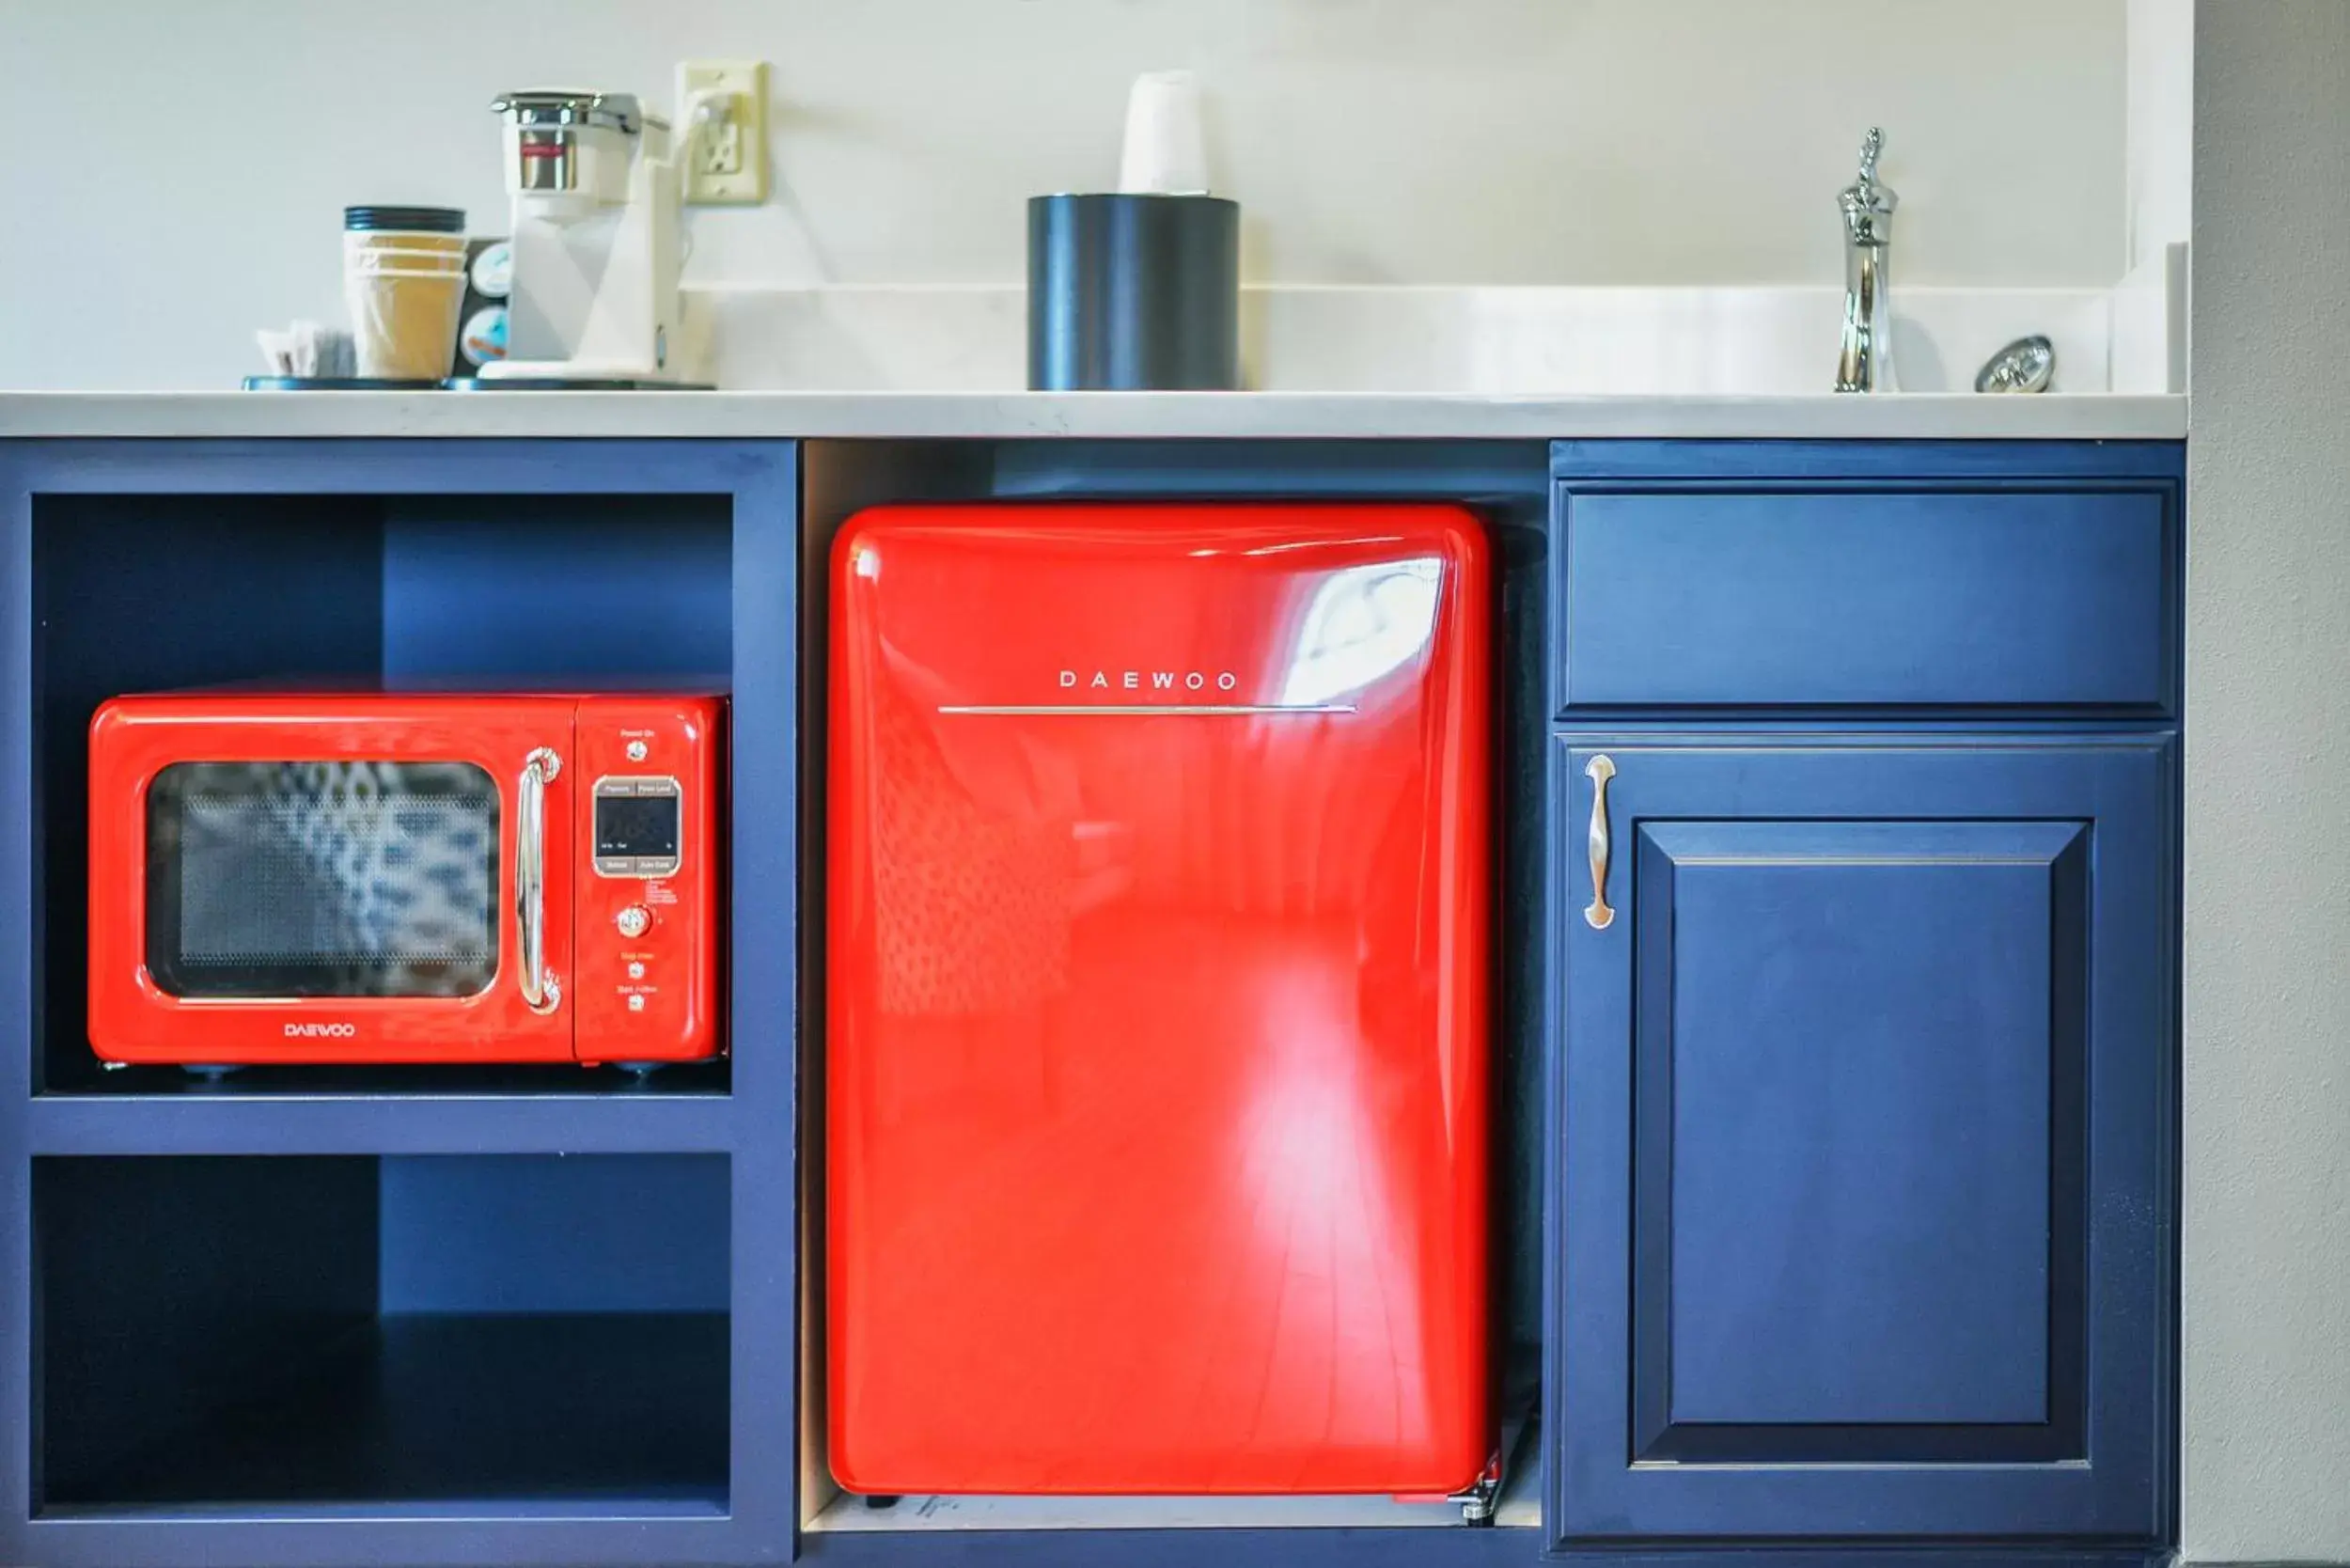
[541, 989]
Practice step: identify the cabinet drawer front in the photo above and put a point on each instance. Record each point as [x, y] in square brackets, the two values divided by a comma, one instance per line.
[1864, 1104]
[2054, 598]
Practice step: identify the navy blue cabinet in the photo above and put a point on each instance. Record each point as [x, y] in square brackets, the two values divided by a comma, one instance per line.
[1863, 1088]
[1858, 1127]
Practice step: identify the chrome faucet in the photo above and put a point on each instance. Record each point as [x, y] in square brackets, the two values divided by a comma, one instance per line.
[1866, 364]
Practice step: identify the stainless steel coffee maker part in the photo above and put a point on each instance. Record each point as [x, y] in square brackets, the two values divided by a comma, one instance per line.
[545, 134]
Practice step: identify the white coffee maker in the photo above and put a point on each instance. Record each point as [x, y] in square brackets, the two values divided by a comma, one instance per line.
[595, 237]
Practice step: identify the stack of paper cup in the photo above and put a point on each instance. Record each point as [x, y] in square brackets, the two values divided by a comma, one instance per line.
[1164, 152]
[404, 283]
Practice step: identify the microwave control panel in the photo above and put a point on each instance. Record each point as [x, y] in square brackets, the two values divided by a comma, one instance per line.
[640, 825]
[645, 939]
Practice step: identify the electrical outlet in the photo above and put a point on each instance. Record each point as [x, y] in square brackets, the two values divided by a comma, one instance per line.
[722, 131]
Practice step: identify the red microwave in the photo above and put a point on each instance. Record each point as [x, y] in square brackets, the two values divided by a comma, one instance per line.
[404, 878]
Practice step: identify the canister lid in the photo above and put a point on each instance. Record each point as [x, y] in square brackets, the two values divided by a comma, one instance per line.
[415, 220]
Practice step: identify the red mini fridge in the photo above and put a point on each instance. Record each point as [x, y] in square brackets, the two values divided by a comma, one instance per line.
[1156, 1026]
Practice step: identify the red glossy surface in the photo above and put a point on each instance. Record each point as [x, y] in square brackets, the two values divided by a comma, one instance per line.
[1156, 1077]
[133, 738]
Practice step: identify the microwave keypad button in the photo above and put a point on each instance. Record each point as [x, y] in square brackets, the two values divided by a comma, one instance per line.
[636, 968]
[636, 1004]
[636, 751]
[632, 920]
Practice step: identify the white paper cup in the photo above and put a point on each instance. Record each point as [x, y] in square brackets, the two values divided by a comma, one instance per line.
[1164, 152]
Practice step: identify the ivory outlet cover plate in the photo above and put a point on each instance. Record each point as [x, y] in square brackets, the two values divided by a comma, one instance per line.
[723, 159]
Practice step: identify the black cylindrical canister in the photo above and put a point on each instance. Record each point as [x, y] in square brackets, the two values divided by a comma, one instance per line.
[1133, 293]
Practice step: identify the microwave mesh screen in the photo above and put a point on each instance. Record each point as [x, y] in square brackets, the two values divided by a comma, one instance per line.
[323, 879]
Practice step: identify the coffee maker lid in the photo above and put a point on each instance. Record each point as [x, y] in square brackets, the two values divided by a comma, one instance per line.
[614, 111]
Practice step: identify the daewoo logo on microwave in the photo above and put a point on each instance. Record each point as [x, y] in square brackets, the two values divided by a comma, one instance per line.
[1149, 679]
[321, 1031]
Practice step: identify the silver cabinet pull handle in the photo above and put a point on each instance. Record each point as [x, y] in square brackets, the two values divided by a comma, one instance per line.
[1599, 769]
[541, 989]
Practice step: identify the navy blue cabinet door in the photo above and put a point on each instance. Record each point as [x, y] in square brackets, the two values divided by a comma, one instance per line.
[1863, 1084]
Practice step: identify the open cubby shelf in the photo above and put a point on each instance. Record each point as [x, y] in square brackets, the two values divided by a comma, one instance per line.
[321, 1317]
[349, 1334]
[163, 591]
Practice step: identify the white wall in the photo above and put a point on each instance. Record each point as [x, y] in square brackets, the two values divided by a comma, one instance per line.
[2160, 95]
[179, 166]
[2266, 1315]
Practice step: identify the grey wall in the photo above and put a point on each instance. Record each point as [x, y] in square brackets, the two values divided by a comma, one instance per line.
[2266, 1316]
[180, 167]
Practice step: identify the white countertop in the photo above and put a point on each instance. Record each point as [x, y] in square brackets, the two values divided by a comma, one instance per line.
[1009, 415]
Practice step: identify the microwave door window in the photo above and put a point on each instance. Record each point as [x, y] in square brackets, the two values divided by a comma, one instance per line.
[323, 879]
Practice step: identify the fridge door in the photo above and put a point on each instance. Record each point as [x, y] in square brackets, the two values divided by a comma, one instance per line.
[1156, 1054]
[279, 879]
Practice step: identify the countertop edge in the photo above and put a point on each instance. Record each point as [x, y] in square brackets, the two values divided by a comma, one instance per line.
[1096, 415]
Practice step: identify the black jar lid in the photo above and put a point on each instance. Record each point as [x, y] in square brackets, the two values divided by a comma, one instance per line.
[417, 220]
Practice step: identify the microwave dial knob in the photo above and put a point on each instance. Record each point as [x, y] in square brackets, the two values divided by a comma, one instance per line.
[632, 920]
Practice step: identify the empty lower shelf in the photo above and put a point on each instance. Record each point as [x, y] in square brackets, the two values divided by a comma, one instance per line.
[522, 1415]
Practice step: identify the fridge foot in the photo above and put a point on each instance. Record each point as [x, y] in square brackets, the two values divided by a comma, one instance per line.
[880, 1499]
[1481, 1498]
